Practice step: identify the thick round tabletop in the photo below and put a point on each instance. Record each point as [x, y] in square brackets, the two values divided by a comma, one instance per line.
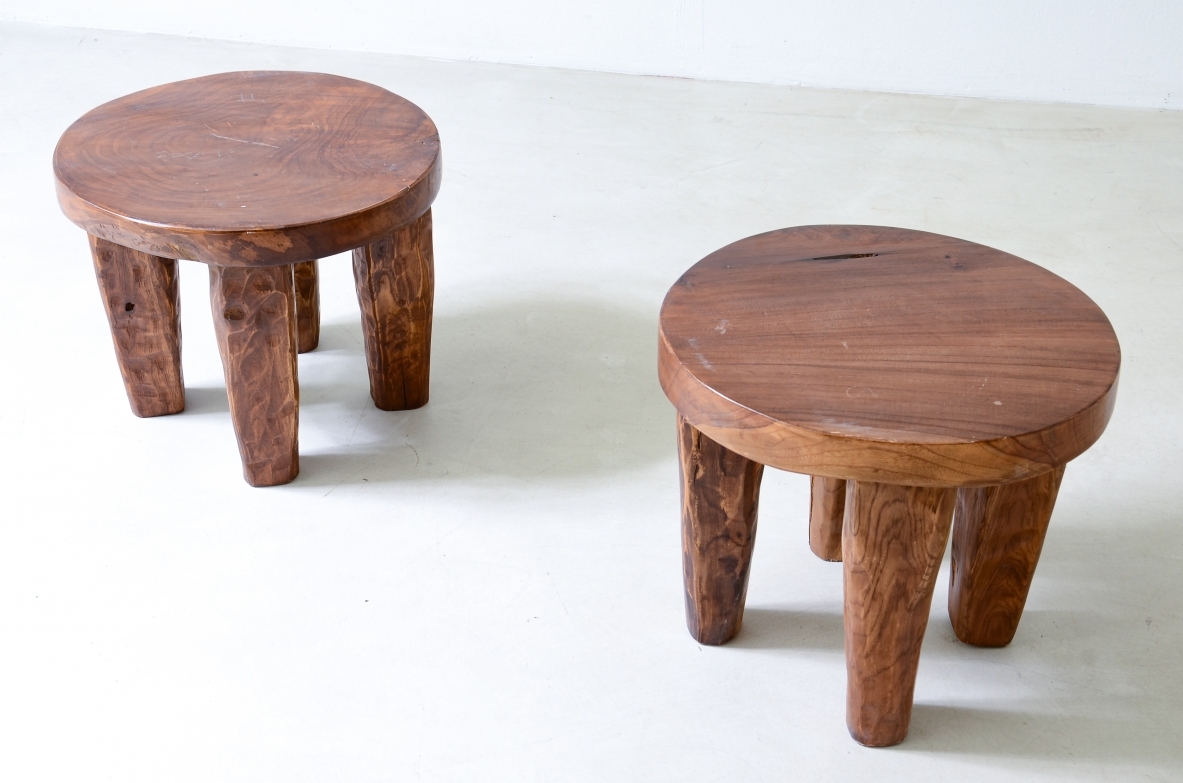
[883, 354]
[252, 168]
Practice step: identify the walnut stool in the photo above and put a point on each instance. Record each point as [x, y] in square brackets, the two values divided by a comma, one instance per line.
[258, 175]
[916, 378]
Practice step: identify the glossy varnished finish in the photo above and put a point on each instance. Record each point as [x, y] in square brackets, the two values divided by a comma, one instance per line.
[255, 320]
[251, 168]
[143, 307]
[827, 505]
[887, 355]
[892, 543]
[307, 280]
[395, 279]
[998, 534]
[720, 494]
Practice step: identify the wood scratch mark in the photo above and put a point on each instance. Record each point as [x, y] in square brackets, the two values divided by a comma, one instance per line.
[242, 141]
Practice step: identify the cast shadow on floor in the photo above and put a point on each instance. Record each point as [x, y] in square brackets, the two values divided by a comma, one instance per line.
[1085, 679]
[531, 390]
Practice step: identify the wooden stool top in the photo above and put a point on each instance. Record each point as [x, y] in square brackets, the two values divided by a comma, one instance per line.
[249, 169]
[883, 354]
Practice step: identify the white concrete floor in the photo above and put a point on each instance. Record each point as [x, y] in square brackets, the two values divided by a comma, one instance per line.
[489, 588]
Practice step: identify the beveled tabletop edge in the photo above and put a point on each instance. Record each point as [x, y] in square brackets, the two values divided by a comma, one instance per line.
[257, 247]
[925, 461]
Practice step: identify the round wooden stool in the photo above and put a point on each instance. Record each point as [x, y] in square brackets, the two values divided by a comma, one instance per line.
[909, 374]
[258, 174]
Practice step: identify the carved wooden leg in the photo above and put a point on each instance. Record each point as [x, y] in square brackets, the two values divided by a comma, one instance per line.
[395, 279]
[892, 543]
[144, 309]
[720, 493]
[997, 537]
[827, 504]
[255, 320]
[307, 305]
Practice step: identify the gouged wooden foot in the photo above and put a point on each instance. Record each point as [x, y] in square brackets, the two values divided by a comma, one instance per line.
[395, 279]
[998, 534]
[827, 506]
[255, 320]
[720, 495]
[892, 543]
[307, 277]
[144, 309]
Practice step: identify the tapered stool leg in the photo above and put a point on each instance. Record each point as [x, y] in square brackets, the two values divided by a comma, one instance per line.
[307, 305]
[255, 320]
[143, 307]
[395, 279]
[827, 505]
[998, 534]
[892, 543]
[720, 495]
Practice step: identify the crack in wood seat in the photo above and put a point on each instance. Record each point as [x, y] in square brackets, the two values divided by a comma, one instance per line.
[258, 174]
[915, 377]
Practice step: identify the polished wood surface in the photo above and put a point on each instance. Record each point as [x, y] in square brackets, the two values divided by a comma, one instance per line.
[307, 280]
[395, 279]
[255, 320]
[998, 534]
[720, 495]
[143, 306]
[887, 355]
[892, 543]
[268, 171]
[827, 505]
[907, 373]
[250, 168]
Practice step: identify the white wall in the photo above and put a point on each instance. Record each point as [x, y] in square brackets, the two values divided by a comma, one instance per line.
[1116, 52]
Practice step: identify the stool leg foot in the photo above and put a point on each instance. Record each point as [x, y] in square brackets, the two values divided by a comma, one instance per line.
[144, 309]
[255, 320]
[826, 509]
[720, 495]
[307, 305]
[395, 279]
[892, 543]
[997, 537]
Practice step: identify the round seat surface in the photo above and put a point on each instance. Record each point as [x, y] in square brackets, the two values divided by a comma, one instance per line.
[249, 168]
[884, 354]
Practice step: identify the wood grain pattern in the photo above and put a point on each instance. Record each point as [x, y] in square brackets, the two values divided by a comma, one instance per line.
[720, 497]
[255, 321]
[887, 355]
[998, 535]
[892, 543]
[307, 277]
[250, 168]
[143, 307]
[395, 279]
[826, 508]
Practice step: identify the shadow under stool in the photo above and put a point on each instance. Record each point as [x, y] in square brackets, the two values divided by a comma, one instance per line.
[924, 382]
[258, 174]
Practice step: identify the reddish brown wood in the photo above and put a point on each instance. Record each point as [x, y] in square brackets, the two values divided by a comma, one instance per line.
[255, 320]
[395, 279]
[887, 355]
[307, 277]
[998, 534]
[261, 170]
[892, 543]
[251, 168]
[720, 496]
[826, 509]
[143, 307]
